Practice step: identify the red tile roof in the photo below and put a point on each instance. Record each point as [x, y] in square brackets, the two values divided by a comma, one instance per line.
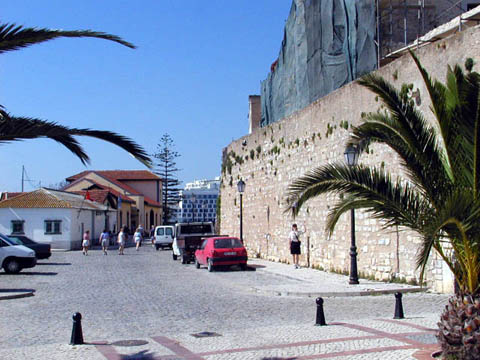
[120, 175]
[49, 198]
[117, 177]
[102, 188]
[9, 195]
[95, 195]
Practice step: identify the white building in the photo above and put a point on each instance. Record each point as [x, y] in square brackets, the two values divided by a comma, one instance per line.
[55, 217]
[199, 201]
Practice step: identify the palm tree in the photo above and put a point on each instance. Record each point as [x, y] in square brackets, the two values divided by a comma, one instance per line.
[12, 128]
[439, 196]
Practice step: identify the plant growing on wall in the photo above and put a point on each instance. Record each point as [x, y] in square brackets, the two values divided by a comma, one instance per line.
[441, 198]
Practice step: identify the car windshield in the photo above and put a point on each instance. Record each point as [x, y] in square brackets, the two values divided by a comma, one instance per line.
[195, 229]
[7, 239]
[23, 239]
[15, 240]
[227, 243]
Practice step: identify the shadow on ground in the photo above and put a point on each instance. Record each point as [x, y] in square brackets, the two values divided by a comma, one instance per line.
[52, 263]
[142, 355]
[48, 273]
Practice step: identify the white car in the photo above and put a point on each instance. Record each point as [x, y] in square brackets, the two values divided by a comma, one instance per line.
[13, 257]
[164, 236]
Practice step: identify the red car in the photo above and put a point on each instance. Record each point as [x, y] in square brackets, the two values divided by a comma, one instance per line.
[219, 251]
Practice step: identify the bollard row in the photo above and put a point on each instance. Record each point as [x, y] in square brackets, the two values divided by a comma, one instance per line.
[320, 317]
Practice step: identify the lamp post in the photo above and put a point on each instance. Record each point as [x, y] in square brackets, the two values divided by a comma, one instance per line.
[351, 157]
[194, 198]
[241, 189]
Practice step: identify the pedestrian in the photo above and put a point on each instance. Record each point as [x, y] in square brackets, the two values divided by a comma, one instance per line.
[138, 237]
[104, 240]
[86, 242]
[152, 235]
[294, 242]
[122, 239]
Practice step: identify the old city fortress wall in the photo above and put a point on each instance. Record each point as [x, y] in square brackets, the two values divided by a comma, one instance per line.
[272, 157]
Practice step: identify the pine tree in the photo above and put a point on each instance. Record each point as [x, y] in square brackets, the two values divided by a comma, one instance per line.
[166, 169]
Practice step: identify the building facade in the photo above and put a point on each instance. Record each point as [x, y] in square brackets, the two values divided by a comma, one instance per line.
[55, 217]
[138, 194]
[199, 201]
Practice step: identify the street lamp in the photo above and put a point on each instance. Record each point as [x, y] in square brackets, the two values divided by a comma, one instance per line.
[194, 198]
[241, 189]
[351, 158]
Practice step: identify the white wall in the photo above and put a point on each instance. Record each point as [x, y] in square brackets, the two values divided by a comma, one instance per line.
[34, 225]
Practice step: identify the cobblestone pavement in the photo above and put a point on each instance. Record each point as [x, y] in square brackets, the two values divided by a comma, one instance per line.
[146, 295]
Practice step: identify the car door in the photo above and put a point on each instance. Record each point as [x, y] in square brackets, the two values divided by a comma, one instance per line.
[202, 259]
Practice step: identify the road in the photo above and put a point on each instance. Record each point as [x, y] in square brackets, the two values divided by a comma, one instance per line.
[145, 293]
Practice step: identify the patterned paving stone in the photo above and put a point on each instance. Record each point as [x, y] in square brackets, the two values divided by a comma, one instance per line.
[146, 295]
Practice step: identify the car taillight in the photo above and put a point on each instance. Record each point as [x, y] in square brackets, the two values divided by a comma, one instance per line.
[215, 253]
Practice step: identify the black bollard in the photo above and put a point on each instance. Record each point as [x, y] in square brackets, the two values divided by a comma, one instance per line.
[398, 306]
[77, 336]
[320, 316]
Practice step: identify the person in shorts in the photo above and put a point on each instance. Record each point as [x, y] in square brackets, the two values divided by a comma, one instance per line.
[294, 242]
[86, 242]
[104, 240]
[122, 239]
[138, 237]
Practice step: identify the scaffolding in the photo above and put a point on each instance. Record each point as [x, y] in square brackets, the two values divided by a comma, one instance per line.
[403, 22]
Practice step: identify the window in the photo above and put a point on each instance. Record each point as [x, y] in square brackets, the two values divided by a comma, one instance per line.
[17, 226]
[53, 226]
[160, 231]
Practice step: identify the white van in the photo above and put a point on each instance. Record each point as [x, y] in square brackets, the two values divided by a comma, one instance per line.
[13, 257]
[164, 235]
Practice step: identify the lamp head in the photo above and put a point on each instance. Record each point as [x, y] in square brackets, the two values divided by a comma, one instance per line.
[241, 186]
[351, 155]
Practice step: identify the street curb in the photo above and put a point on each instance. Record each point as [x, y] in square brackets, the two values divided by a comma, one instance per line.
[16, 294]
[340, 293]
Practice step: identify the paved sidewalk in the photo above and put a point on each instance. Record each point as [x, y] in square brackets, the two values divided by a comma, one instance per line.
[375, 339]
[360, 332]
[313, 283]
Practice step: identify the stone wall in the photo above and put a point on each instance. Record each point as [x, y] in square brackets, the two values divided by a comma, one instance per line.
[272, 157]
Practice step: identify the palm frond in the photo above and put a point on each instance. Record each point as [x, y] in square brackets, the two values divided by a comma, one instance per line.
[22, 128]
[419, 156]
[13, 37]
[119, 140]
[366, 188]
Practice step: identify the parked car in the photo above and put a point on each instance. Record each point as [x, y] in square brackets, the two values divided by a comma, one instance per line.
[42, 251]
[13, 257]
[164, 236]
[188, 238]
[219, 251]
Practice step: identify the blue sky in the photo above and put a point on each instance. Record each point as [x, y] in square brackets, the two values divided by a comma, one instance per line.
[196, 64]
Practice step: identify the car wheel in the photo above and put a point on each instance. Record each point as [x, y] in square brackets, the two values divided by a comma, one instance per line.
[197, 264]
[243, 267]
[184, 260]
[210, 265]
[174, 257]
[157, 247]
[12, 266]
